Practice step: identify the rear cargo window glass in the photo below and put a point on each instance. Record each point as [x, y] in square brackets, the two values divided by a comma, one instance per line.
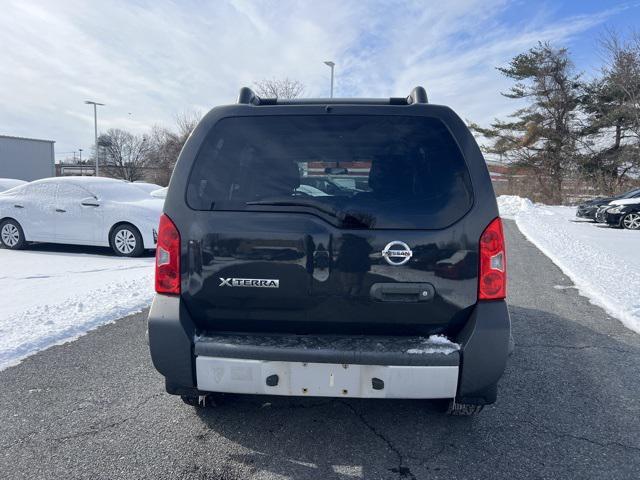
[360, 171]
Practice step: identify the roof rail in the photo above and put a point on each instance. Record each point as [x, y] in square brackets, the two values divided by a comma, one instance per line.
[249, 97]
[417, 95]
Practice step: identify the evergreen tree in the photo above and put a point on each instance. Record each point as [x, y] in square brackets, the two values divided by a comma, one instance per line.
[540, 136]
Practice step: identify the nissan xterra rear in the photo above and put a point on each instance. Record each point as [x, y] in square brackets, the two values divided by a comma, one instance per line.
[331, 247]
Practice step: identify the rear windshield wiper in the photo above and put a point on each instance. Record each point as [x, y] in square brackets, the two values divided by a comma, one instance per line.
[347, 218]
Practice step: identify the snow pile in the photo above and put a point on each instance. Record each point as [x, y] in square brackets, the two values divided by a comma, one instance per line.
[435, 344]
[602, 262]
[511, 205]
[50, 298]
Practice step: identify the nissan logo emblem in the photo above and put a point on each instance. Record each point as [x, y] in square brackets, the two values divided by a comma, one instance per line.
[397, 253]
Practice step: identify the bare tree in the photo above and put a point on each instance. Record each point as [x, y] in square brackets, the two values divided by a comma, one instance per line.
[125, 154]
[187, 122]
[611, 126]
[279, 88]
[165, 145]
[164, 148]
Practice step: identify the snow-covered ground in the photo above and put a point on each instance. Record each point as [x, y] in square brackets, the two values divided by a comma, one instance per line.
[603, 263]
[53, 295]
[50, 297]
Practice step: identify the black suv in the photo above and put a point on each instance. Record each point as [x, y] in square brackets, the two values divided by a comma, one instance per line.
[392, 286]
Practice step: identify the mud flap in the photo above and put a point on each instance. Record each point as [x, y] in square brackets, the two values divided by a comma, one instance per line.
[484, 350]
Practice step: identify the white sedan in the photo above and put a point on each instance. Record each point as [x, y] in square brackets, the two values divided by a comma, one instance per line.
[80, 211]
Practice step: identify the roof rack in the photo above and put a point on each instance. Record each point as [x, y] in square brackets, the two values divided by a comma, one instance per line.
[417, 95]
[248, 97]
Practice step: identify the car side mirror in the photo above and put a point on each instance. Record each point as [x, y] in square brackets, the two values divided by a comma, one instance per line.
[90, 202]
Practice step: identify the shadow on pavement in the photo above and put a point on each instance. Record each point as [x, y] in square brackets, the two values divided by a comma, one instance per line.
[55, 248]
[560, 409]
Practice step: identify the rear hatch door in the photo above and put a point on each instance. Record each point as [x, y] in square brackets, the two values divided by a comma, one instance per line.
[329, 223]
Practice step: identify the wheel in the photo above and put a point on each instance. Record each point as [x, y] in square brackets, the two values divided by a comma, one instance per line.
[126, 241]
[631, 221]
[463, 409]
[11, 235]
[192, 400]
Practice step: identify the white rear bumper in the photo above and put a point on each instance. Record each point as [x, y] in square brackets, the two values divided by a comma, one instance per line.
[233, 375]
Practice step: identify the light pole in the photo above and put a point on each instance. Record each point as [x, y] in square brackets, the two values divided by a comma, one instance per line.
[331, 65]
[95, 126]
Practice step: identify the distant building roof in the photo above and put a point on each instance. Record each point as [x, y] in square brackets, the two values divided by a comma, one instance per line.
[27, 138]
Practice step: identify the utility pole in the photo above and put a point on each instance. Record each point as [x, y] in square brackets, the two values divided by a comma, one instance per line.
[95, 127]
[331, 65]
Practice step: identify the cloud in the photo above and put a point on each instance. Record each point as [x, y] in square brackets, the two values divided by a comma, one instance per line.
[150, 60]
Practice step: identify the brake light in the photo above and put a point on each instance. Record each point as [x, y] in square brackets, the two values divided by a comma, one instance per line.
[168, 258]
[492, 281]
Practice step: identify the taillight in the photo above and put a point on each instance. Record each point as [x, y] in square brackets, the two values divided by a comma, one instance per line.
[492, 281]
[168, 258]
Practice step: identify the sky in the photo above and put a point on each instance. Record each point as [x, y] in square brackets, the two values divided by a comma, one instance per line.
[149, 61]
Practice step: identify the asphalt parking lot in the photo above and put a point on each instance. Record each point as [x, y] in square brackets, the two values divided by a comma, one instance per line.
[569, 407]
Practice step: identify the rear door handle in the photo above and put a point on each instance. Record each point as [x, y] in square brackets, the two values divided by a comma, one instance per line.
[18, 206]
[60, 210]
[403, 292]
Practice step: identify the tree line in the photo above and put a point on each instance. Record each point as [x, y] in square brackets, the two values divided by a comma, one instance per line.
[152, 156]
[568, 128]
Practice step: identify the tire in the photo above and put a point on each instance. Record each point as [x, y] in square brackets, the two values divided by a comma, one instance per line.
[200, 401]
[463, 409]
[12, 235]
[631, 221]
[191, 400]
[126, 241]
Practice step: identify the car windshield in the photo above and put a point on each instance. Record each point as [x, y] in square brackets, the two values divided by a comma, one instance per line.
[385, 171]
[632, 193]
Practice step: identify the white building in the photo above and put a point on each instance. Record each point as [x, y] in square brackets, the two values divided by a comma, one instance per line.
[26, 158]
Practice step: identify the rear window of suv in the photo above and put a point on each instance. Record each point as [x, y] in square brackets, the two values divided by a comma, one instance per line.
[358, 171]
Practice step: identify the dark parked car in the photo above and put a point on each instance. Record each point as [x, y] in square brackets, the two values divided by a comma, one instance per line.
[589, 209]
[263, 289]
[626, 216]
[601, 213]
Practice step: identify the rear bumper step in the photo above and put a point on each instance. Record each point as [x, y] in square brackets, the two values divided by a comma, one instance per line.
[349, 349]
[234, 375]
[328, 366]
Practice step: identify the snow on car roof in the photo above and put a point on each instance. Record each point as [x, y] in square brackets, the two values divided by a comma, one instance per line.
[87, 180]
[146, 186]
[102, 187]
[11, 181]
[7, 184]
